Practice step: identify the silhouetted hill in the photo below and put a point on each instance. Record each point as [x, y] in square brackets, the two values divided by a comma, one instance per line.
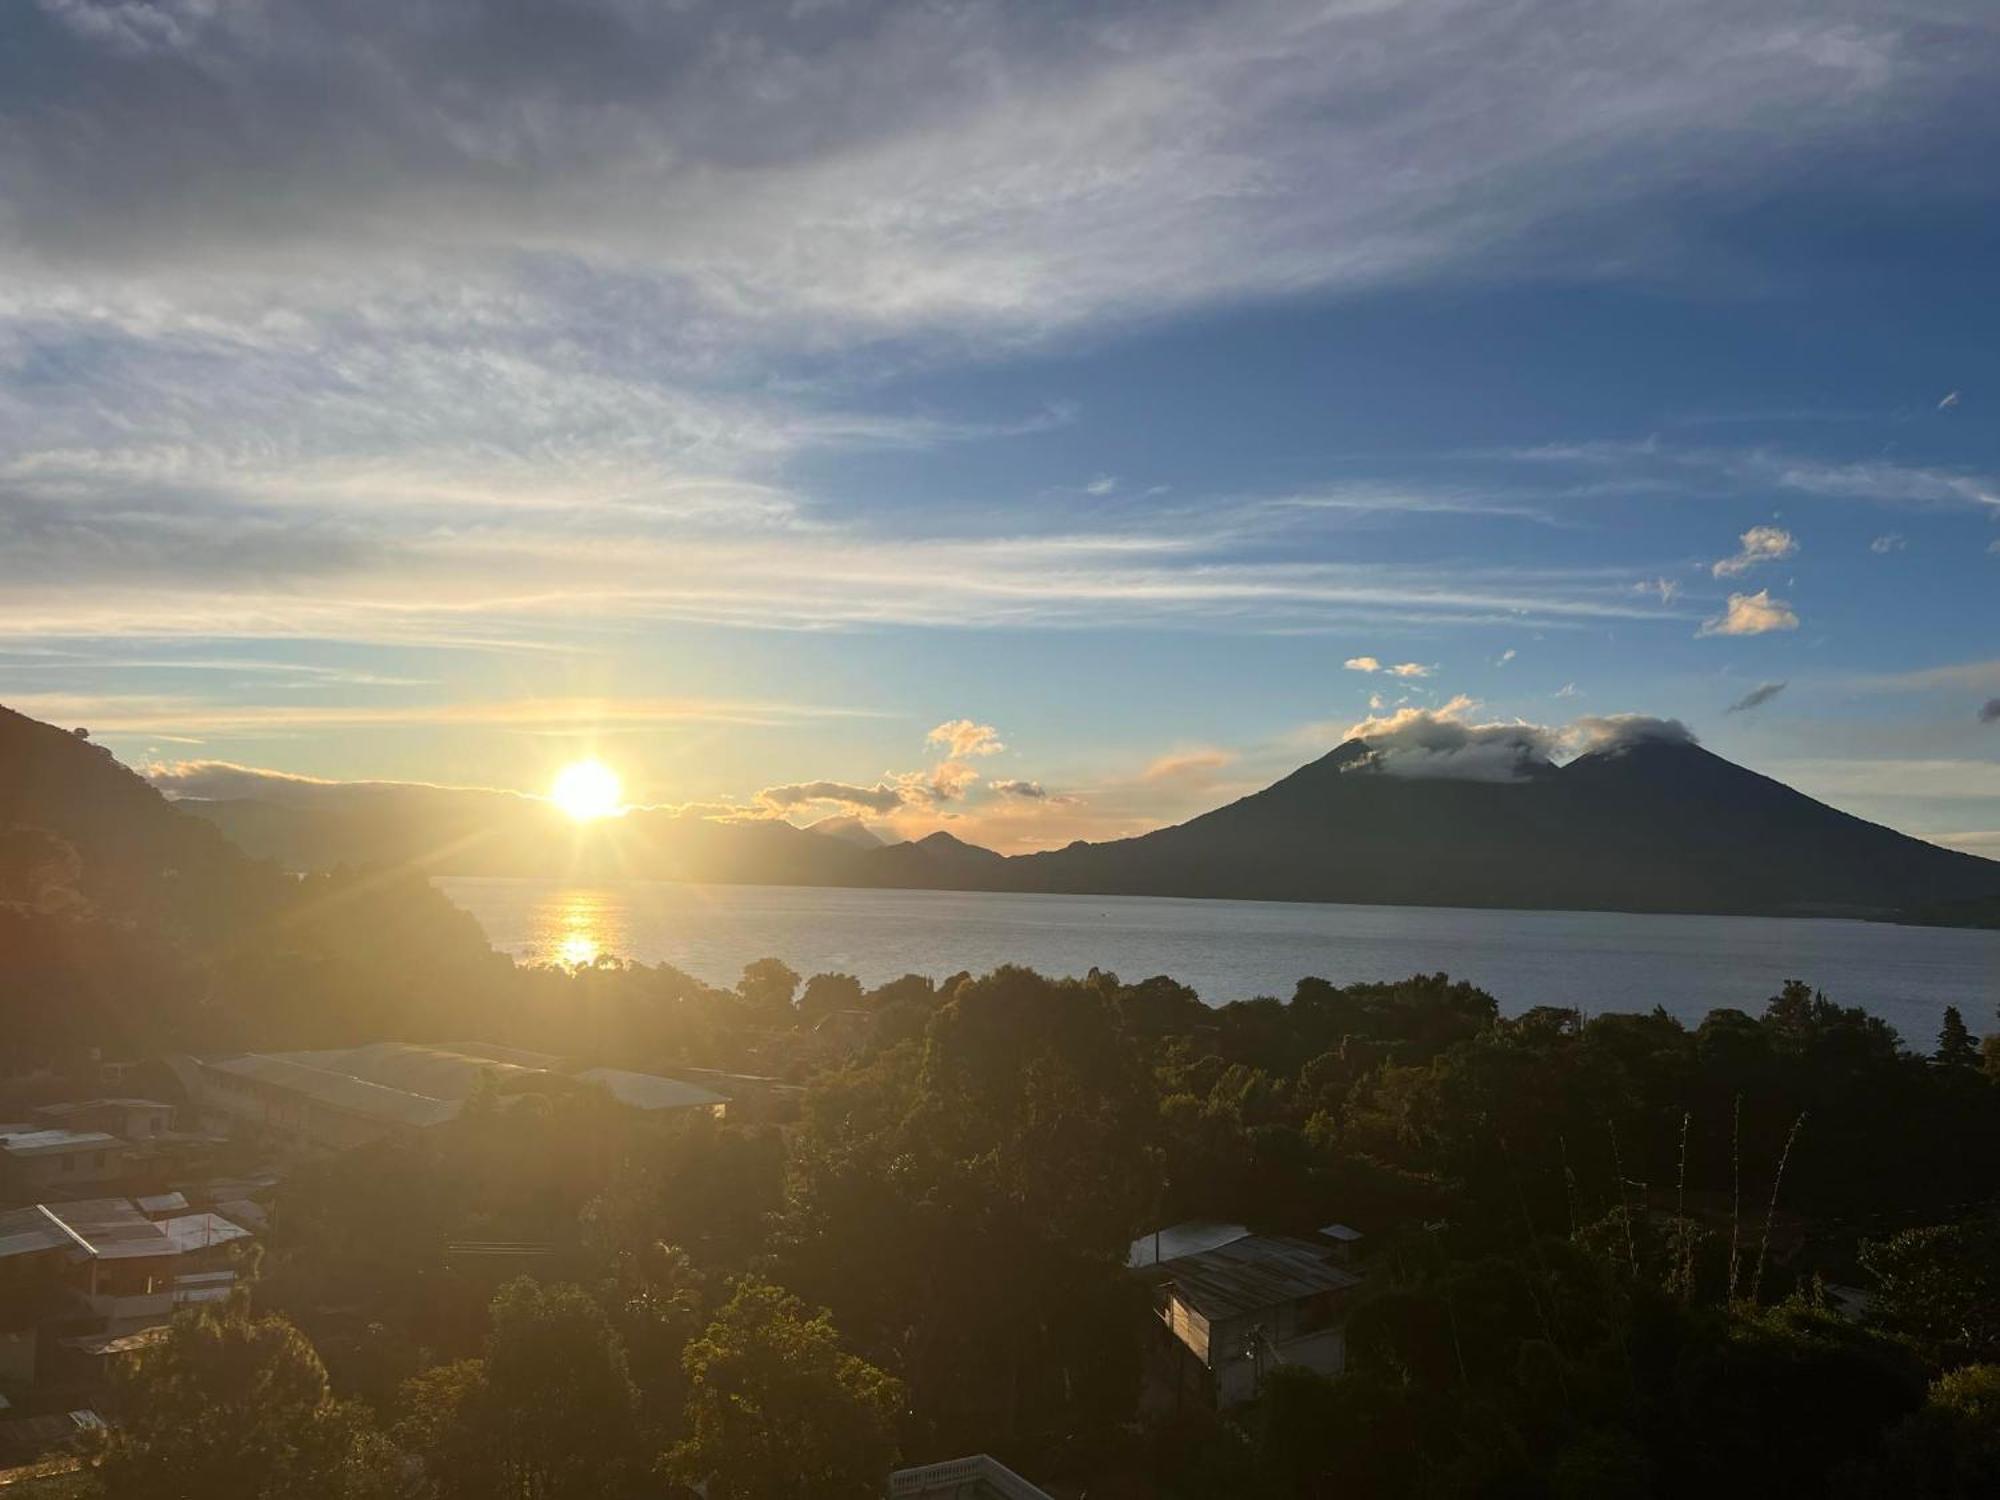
[139, 855]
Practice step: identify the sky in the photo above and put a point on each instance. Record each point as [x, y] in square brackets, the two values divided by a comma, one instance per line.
[1037, 421]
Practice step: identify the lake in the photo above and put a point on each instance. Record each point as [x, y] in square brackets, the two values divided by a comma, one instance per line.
[1229, 950]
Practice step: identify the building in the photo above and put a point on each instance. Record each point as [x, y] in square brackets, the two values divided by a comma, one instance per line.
[1234, 1307]
[137, 1120]
[34, 1160]
[335, 1099]
[102, 1263]
[975, 1478]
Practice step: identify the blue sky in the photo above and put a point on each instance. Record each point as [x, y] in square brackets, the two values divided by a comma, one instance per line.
[440, 392]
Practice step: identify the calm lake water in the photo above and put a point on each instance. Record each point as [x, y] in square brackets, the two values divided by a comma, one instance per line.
[1229, 950]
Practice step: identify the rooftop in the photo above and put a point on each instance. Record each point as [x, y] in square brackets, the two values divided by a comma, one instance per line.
[1188, 1238]
[53, 1142]
[1251, 1274]
[648, 1091]
[82, 1106]
[27, 1231]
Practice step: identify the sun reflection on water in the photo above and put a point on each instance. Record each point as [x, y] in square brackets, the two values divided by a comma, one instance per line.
[580, 927]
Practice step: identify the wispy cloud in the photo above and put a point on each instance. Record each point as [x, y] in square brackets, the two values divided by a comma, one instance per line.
[1757, 697]
[116, 713]
[1760, 544]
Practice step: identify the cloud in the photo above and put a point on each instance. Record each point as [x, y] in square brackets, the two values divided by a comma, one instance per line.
[962, 738]
[1103, 484]
[222, 780]
[1400, 669]
[1757, 696]
[880, 798]
[1951, 399]
[1568, 690]
[1761, 544]
[1445, 744]
[1751, 614]
[1989, 711]
[1188, 765]
[1891, 542]
[1666, 590]
[1602, 733]
[170, 714]
[1440, 743]
[1027, 791]
[1505, 656]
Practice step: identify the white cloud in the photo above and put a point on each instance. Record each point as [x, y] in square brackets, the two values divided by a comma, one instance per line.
[1666, 590]
[1362, 664]
[1567, 690]
[1409, 669]
[962, 738]
[1951, 399]
[1891, 542]
[1751, 614]
[1506, 656]
[1104, 484]
[1761, 544]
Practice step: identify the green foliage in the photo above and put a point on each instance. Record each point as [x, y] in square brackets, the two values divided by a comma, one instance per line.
[1955, 1047]
[777, 1408]
[230, 1405]
[1939, 1288]
[548, 1413]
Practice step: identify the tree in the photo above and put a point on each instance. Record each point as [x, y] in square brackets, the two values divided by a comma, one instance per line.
[557, 1404]
[234, 1407]
[1939, 1288]
[777, 1408]
[767, 987]
[1956, 1048]
[827, 993]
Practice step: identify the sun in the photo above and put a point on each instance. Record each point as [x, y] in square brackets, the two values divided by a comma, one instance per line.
[587, 789]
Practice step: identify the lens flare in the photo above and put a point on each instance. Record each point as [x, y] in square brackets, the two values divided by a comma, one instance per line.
[587, 789]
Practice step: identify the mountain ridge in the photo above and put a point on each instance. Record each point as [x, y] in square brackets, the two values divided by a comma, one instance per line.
[1653, 825]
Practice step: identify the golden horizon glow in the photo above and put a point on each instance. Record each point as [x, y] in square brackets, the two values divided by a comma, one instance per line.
[587, 790]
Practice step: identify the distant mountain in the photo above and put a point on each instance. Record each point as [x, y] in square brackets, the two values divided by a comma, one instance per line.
[1650, 825]
[849, 829]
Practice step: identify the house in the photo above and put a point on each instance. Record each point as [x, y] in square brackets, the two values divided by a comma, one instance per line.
[975, 1478]
[334, 1099]
[1235, 1309]
[124, 1268]
[34, 1160]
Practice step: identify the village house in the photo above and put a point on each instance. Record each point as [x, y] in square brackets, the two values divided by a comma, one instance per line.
[1234, 1305]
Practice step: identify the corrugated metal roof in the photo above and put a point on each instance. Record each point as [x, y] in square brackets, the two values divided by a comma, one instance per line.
[434, 1072]
[649, 1091]
[192, 1232]
[1188, 1238]
[110, 1228]
[54, 1142]
[338, 1090]
[27, 1231]
[1248, 1275]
